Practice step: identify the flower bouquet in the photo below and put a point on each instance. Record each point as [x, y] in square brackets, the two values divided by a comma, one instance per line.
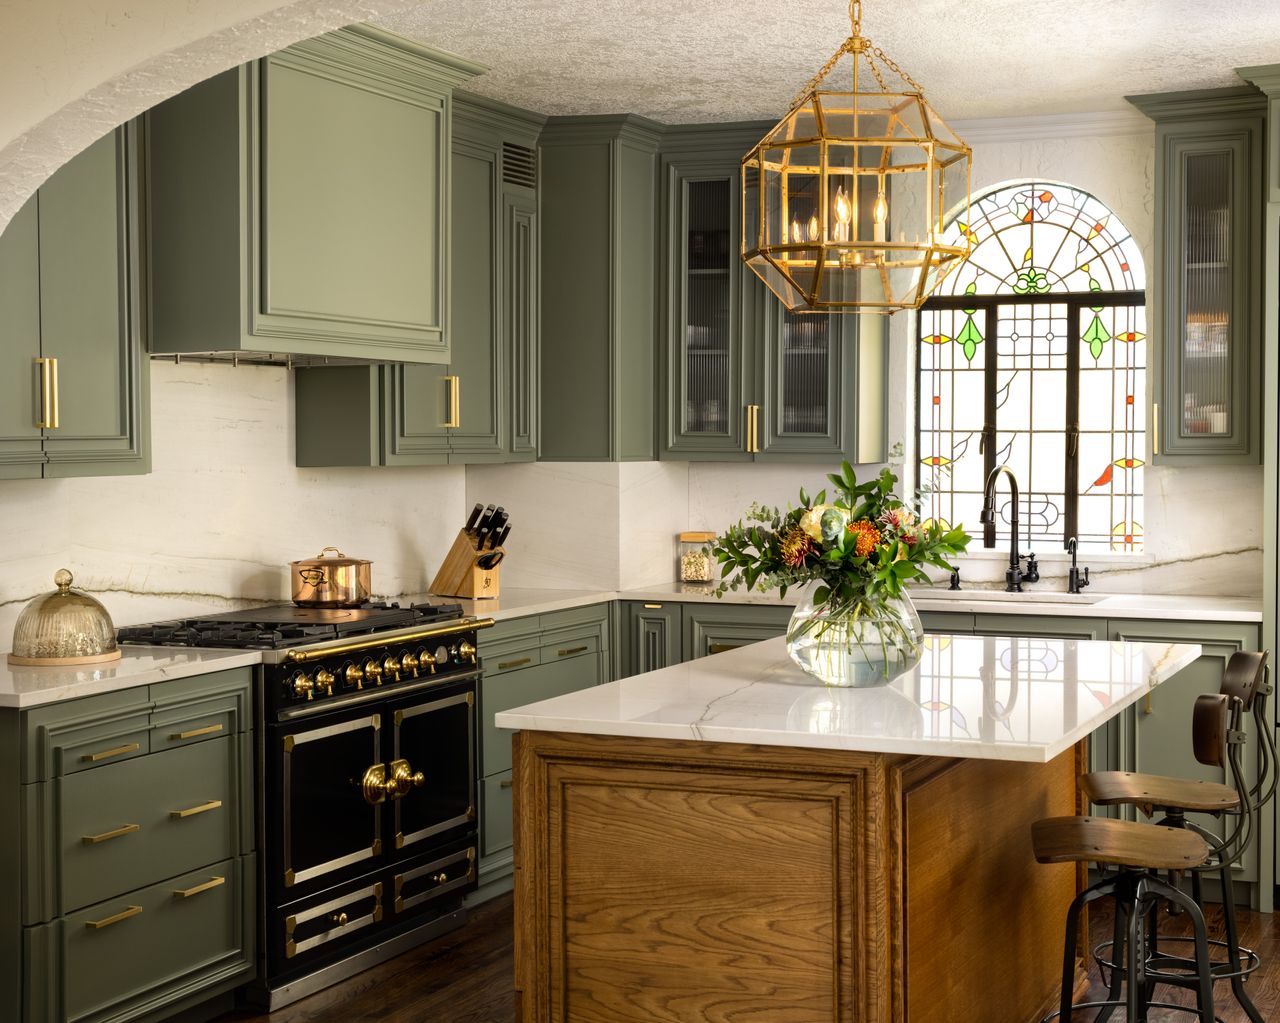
[857, 626]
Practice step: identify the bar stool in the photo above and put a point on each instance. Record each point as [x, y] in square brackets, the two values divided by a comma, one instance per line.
[1218, 738]
[1139, 851]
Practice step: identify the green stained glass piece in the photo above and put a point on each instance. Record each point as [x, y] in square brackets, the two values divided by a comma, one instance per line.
[969, 338]
[1097, 335]
[1031, 282]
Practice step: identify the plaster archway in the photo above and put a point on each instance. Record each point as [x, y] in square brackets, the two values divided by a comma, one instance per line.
[72, 70]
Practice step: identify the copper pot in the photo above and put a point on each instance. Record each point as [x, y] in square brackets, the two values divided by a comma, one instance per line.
[336, 581]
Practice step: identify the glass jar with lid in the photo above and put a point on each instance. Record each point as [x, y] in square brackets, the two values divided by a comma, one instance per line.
[694, 560]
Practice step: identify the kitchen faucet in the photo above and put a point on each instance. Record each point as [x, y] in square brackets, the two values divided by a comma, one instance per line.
[1075, 581]
[1014, 577]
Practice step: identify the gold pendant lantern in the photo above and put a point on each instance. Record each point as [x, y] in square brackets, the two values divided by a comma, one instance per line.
[845, 201]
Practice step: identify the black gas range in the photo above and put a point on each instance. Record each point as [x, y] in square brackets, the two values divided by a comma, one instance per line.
[366, 748]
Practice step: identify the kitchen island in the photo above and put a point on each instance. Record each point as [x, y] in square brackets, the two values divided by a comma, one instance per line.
[728, 840]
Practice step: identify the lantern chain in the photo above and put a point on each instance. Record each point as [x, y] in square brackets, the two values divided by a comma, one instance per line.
[857, 44]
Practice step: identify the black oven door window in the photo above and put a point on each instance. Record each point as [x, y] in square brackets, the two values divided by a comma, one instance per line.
[330, 822]
[433, 744]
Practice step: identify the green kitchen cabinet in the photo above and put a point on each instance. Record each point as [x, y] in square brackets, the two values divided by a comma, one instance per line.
[300, 205]
[652, 636]
[742, 377]
[947, 622]
[130, 879]
[75, 379]
[1040, 626]
[1207, 277]
[482, 405]
[598, 275]
[715, 628]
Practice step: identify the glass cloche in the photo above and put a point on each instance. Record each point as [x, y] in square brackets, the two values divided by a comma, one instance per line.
[64, 626]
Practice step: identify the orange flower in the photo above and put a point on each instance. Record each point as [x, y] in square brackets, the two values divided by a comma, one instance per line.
[795, 546]
[868, 536]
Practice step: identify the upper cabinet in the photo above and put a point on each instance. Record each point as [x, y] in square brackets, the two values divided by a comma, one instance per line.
[598, 269]
[743, 378]
[1206, 283]
[300, 204]
[72, 372]
[481, 406]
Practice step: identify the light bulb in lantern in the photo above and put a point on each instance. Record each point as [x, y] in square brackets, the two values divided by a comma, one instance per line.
[813, 228]
[795, 230]
[844, 213]
[880, 214]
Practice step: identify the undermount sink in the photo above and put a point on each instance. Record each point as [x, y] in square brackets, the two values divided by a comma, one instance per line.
[1031, 595]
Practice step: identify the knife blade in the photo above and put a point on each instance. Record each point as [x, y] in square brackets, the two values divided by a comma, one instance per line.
[474, 517]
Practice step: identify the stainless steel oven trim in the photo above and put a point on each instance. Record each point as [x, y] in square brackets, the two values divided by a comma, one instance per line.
[401, 839]
[293, 948]
[291, 742]
[401, 904]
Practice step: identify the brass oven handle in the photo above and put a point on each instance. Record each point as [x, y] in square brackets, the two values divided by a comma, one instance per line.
[106, 836]
[213, 804]
[213, 882]
[453, 628]
[206, 730]
[454, 418]
[124, 914]
[514, 664]
[379, 783]
[106, 754]
[572, 650]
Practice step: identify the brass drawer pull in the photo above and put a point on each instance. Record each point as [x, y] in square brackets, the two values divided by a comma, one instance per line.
[212, 883]
[115, 918]
[213, 804]
[653, 607]
[206, 730]
[48, 393]
[516, 663]
[106, 754]
[573, 650]
[106, 836]
[440, 878]
[505, 783]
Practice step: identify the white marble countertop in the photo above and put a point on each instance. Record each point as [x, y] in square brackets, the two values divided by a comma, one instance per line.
[23, 687]
[994, 698]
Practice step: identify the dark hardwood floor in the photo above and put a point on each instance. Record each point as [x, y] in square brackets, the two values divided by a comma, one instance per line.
[465, 977]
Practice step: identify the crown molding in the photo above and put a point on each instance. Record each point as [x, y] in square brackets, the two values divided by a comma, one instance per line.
[1038, 127]
[1265, 76]
[1200, 103]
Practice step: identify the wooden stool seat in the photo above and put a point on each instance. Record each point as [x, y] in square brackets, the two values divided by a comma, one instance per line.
[1147, 791]
[1120, 843]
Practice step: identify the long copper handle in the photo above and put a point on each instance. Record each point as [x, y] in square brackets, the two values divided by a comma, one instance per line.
[124, 914]
[213, 882]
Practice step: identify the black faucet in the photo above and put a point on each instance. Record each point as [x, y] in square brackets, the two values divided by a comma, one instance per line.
[1075, 581]
[1014, 577]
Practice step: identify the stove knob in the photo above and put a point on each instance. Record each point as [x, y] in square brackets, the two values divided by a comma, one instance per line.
[373, 672]
[391, 668]
[426, 659]
[467, 651]
[325, 680]
[354, 677]
[303, 685]
[410, 665]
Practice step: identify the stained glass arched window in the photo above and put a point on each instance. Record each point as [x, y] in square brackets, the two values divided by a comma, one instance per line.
[1033, 354]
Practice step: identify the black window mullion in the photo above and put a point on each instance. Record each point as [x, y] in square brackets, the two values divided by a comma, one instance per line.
[1071, 485]
[989, 424]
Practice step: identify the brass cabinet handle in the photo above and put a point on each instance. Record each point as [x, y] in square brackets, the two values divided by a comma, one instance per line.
[106, 754]
[115, 918]
[440, 878]
[213, 804]
[48, 419]
[106, 836]
[573, 650]
[751, 429]
[653, 607]
[339, 919]
[454, 418]
[505, 783]
[1146, 704]
[514, 664]
[213, 882]
[1155, 428]
[206, 730]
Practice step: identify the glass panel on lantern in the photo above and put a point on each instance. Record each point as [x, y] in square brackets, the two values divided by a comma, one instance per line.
[750, 206]
[802, 268]
[908, 121]
[953, 185]
[841, 196]
[837, 114]
[908, 202]
[771, 181]
[804, 121]
[938, 128]
[777, 281]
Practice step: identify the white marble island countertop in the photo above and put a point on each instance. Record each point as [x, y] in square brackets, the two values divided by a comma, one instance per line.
[997, 698]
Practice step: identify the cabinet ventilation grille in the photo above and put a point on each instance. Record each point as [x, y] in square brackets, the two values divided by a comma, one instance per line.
[519, 165]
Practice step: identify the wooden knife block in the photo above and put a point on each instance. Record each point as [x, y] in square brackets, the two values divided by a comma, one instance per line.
[460, 576]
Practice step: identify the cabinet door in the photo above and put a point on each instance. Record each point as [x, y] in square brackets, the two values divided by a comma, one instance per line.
[88, 311]
[520, 320]
[704, 353]
[1036, 625]
[354, 205]
[475, 338]
[713, 629]
[415, 409]
[652, 637]
[1161, 737]
[21, 452]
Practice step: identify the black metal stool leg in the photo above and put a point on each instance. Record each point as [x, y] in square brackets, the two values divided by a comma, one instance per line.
[1204, 968]
[1117, 969]
[1135, 963]
[1069, 954]
[1233, 948]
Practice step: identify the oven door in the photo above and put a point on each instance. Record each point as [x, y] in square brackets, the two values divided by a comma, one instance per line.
[326, 823]
[433, 741]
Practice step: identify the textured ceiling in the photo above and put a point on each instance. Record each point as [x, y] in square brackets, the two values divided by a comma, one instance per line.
[712, 60]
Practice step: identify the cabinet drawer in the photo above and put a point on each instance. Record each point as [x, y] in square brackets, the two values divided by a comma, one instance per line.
[153, 817]
[572, 644]
[420, 886]
[496, 805]
[516, 688]
[311, 924]
[81, 735]
[510, 657]
[152, 946]
[201, 708]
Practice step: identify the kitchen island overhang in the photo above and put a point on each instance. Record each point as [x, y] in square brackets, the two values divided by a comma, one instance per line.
[728, 840]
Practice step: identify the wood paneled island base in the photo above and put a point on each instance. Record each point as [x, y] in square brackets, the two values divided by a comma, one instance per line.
[670, 880]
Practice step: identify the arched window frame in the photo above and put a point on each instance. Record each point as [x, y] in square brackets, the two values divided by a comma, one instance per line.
[1075, 279]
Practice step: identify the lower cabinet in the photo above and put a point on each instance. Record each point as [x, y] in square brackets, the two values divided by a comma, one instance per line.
[135, 858]
[652, 636]
[715, 628]
[526, 660]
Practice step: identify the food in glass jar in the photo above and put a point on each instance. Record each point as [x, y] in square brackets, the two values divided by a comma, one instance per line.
[695, 567]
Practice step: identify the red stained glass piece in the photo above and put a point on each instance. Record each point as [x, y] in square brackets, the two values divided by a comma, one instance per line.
[1128, 539]
[1124, 267]
[1028, 218]
[937, 400]
[1128, 399]
[1046, 196]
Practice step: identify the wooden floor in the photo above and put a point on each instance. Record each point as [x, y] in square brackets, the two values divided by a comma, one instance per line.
[465, 977]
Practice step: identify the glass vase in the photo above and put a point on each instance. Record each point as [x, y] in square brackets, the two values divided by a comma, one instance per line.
[866, 644]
